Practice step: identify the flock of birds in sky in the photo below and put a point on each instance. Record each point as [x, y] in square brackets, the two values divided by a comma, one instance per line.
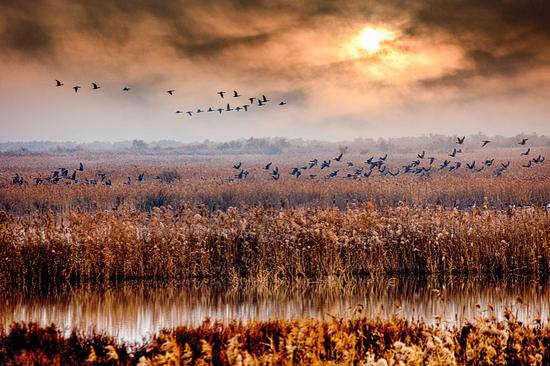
[237, 105]
[421, 166]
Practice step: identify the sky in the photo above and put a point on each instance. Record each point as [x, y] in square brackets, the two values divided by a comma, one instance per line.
[346, 69]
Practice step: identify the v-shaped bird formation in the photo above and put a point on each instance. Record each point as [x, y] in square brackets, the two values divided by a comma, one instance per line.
[232, 101]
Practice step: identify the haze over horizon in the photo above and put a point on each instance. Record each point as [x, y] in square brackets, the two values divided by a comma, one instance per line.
[351, 69]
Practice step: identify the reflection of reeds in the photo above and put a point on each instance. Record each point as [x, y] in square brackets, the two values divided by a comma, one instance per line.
[134, 310]
[355, 341]
[270, 246]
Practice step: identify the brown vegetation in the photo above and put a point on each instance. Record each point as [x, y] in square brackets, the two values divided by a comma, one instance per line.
[270, 245]
[357, 341]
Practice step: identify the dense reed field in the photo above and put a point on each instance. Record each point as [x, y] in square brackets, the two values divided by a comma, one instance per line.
[210, 181]
[269, 245]
[357, 341]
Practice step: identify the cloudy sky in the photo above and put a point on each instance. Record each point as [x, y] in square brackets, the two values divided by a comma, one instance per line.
[346, 68]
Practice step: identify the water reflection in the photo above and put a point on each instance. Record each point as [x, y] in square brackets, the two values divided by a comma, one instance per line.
[134, 311]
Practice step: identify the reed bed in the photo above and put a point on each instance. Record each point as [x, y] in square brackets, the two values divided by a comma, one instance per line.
[356, 341]
[268, 245]
[211, 182]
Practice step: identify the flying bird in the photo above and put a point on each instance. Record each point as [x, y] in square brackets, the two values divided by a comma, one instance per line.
[58, 83]
[459, 140]
[178, 112]
[339, 157]
[251, 100]
[190, 113]
[453, 154]
[210, 109]
[245, 107]
[485, 142]
[526, 152]
[76, 88]
[522, 142]
[235, 94]
[237, 165]
[228, 108]
[81, 167]
[125, 89]
[171, 91]
[221, 93]
[95, 86]
[282, 103]
[199, 111]
[421, 156]
[268, 166]
[220, 110]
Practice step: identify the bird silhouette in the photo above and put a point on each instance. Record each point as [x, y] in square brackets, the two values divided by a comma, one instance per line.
[453, 154]
[459, 140]
[251, 99]
[237, 165]
[339, 157]
[539, 159]
[325, 164]
[383, 158]
[264, 99]
[267, 166]
[81, 167]
[95, 86]
[58, 83]
[238, 109]
[522, 142]
[76, 88]
[190, 113]
[526, 152]
[484, 143]
[421, 156]
[126, 89]
[210, 109]
[260, 103]
[431, 159]
[235, 94]
[178, 111]
[220, 110]
[528, 165]
[282, 103]
[472, 165]
[505, 165]
[245, 107]
[221, 93]
[171, 91]
[199, 111]
[228, 108]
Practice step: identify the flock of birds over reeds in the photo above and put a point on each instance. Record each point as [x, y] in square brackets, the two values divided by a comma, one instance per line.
[236, 106]
[422, 166]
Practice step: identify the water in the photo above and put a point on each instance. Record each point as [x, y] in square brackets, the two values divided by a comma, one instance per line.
[133, 312]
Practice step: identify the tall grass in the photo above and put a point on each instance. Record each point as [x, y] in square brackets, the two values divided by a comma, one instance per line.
[270, 245]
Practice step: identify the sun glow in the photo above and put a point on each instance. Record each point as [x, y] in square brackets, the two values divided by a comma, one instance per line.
[371, 39]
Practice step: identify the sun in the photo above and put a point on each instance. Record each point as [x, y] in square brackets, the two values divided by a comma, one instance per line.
[370, 39]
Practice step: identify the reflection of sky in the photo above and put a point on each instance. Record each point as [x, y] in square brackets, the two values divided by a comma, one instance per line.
[132, 313]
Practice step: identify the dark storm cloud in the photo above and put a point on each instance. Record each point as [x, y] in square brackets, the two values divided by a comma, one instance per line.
[23, 31]
[499, 38]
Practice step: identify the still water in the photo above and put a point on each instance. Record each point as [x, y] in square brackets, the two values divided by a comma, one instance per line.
[135, 311]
